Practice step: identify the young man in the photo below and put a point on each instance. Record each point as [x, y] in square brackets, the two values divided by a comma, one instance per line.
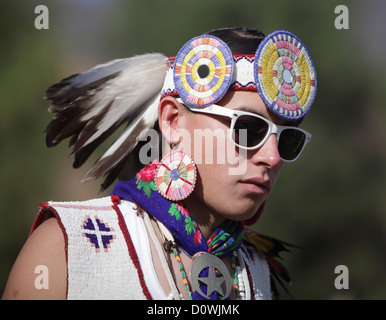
[178, 230]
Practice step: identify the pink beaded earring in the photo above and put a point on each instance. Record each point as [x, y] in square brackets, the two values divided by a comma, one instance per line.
[176, 175]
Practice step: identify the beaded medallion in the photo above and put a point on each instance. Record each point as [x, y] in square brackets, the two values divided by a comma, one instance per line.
[175, 176]
[285, 75]
[203, 71]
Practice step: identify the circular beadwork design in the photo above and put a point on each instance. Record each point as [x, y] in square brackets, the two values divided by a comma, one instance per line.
[285, 75]
[175, 177]
[203, 71]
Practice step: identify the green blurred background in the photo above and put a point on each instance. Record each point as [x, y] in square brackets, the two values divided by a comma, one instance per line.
[332, 202]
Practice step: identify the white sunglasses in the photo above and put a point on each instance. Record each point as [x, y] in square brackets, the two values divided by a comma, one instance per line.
[250, 131]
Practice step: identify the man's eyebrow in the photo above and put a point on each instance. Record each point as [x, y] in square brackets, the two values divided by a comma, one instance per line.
[251, 110]
[248, 109]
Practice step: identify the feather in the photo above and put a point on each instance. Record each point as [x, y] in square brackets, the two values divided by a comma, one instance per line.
[89, 107]
[271, 249]
[266, 244]
[126, 142]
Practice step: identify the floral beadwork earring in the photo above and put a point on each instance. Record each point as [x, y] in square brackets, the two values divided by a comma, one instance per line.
[176, 175]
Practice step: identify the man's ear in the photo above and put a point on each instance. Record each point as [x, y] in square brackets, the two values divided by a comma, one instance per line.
[169, 114]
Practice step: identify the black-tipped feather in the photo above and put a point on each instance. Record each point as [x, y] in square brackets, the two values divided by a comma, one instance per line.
[271, 248]
[90, 106]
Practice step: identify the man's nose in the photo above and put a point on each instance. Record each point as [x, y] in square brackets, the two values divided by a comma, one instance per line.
[268, 153]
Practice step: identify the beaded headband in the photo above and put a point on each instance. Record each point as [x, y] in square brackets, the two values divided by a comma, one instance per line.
[90, 106]
[281, 71]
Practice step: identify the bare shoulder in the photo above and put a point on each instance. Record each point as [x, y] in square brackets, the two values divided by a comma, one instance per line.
[40, 270]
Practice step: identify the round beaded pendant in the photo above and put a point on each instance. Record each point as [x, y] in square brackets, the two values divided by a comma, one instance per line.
[175, 176]
[203, 71]
[285, 75]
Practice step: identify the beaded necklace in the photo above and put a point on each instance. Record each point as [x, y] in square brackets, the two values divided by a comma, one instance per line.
[170, 245]
[176, 218]
[183, 273]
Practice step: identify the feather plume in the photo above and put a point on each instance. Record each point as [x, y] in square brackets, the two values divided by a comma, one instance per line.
[271, 249]
[89, 107]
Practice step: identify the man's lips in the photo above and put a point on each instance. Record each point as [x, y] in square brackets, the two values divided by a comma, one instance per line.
[257, 185]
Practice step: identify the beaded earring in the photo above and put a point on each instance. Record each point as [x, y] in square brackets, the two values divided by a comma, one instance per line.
[176, 175]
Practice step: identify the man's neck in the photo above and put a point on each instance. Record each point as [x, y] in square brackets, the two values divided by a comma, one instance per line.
[206, 219]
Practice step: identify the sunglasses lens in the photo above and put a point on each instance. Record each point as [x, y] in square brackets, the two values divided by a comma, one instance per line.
[291, 143]
[249, 131]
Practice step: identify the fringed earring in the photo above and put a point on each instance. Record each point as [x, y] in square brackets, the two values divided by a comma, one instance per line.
[176, 175]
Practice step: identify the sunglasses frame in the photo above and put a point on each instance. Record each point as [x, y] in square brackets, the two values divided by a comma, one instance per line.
[235, 114]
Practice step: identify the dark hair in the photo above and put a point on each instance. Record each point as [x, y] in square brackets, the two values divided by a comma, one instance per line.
[241, 40]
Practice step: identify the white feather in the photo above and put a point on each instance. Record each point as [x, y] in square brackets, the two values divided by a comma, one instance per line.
[91, 105]
[150, 116]
[127, 92]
